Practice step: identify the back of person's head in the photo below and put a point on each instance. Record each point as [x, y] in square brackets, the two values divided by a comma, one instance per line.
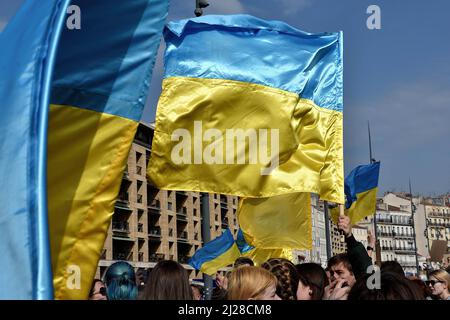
[120, 281]
[313, 276]
[441, 275]
[338, 259]
[392, 287]
[248, 282]
[392, 266]
[426, 292]
[197, 291]
[287, 277]
[168, 281]
[243, 261]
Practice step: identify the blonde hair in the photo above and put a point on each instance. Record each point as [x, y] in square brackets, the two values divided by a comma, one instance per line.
[441, 275]
[249, 283]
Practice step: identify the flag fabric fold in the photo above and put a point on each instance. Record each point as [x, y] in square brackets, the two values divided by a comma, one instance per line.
[361, 186]
[258, 255]
[280, 222]
[250, 108]
[27, 53]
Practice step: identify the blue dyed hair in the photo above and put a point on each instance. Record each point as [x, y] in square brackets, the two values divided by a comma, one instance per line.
[120, 281]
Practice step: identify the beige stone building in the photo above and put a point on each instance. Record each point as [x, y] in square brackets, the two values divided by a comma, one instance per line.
[150, 225]
[438, 223]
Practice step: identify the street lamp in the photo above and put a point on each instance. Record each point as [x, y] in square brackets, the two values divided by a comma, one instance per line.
[199, 5]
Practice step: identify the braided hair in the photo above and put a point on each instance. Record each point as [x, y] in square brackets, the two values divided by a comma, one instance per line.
[287, 277]
[120, 281]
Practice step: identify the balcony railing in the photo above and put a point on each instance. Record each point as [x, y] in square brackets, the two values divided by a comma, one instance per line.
[122, 255]
[182, 214]
[184, 259]
[385, 234]
[121, 226]
[404, 250]
[156, 257]
[183, 236]
[123, 200]
[154, 232]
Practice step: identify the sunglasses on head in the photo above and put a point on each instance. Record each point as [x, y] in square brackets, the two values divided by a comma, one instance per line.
[432, 282]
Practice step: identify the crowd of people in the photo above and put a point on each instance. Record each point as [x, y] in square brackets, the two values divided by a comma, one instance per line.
[348, 276]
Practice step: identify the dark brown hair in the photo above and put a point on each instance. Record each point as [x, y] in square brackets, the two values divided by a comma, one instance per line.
[392, 266]
[340, 258]
[287, 277]
[168, 281]
[392, 287]
[313, 276]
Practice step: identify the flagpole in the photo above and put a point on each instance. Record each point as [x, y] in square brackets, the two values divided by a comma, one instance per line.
[414, 228]
[206, 237]
[327, 229]
[375, 232]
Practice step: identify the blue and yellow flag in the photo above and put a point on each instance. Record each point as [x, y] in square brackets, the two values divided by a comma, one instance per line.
[258, 255]
[27, 53]
[99, 89]
[216, 254]
[251, 108]
[361, 187]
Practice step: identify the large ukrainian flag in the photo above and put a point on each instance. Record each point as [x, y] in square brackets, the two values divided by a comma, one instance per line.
[100, 85]
[361, 186]
[239, 72]
[27, 52]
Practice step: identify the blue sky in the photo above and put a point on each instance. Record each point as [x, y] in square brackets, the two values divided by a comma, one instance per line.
[397, 77]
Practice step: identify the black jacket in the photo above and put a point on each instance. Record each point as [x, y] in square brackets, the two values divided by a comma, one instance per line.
[358, 256]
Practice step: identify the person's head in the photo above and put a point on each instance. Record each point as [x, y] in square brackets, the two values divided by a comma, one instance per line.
[252, 283]
[197, 291]
[392, 266]
[439, 283]
[243, 261]
[168, 281]
[120, 282]
[341, 269]
[312, 281]
[98, 290]
[426, 292]
[287, 277]
[392, 287]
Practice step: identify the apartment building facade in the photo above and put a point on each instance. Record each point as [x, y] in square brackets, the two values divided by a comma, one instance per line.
[150, 225]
